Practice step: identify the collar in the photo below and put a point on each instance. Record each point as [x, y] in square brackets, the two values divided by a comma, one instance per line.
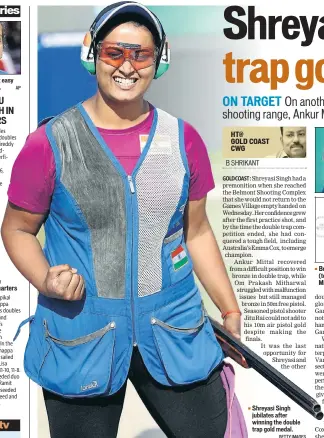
[282, 154]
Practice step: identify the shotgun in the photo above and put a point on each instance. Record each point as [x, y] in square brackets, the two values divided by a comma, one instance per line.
[245, 357]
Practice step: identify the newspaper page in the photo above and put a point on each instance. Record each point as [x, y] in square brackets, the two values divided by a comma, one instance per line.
[116, 125]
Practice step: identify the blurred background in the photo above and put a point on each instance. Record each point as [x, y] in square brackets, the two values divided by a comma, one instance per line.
[11, 59]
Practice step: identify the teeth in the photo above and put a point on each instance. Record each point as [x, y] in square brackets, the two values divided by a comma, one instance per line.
[125, 81]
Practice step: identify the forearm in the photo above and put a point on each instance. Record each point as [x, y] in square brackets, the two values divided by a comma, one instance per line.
[209, 267]
[26, 254]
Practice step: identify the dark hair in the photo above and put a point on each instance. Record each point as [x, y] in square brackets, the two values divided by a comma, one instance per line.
[281, 129]
[127, 17]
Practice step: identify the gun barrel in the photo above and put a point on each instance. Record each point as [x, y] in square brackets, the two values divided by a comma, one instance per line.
[270, 373]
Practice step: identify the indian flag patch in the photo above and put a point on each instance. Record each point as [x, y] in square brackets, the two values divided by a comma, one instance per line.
[179, 258]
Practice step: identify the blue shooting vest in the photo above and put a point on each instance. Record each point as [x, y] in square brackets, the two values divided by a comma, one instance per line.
[124, 234]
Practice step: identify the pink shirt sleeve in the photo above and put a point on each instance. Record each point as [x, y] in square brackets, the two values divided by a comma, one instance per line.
[33, 174]
[201, 176]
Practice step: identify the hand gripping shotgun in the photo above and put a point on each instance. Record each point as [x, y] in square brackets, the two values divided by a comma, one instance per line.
[245, 357]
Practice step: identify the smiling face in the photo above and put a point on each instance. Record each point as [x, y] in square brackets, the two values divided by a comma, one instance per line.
[293, 140]
[125, 83]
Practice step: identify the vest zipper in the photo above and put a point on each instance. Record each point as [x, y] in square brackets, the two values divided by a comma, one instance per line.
[131, 185]
[132, 190]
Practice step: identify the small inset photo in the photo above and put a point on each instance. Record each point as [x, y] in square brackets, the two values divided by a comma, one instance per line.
[10, 47]
[264, 142]
[319, 160]
[319, 229]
